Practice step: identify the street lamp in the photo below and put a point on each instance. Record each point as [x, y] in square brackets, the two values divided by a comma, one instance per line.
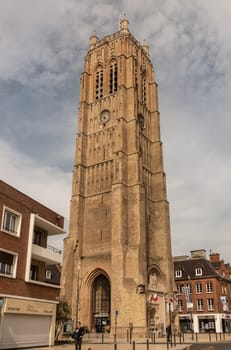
[77, 296]
[190, 309]
[170, 320]
[189, 302]
[169, 302]
[76, 259]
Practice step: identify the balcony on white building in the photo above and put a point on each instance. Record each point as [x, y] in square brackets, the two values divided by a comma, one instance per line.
[48, 254]
[41, 253]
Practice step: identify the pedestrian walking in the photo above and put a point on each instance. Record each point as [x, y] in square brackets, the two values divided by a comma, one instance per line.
[77, 335]
[169, 333]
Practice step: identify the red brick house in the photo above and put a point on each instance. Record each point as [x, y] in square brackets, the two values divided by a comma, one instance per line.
[204, 292]
[27, 299]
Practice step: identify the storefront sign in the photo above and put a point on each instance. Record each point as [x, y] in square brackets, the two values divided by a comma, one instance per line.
[18, 306]
[226, 316]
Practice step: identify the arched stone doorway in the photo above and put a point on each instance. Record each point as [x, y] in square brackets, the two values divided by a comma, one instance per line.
[156, 301]
[101, 304]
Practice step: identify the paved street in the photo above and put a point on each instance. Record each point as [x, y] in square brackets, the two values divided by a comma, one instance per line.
[199, 342]
[87, 346]
[217, 346]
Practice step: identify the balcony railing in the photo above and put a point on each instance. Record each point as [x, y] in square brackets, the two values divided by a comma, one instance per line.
[49, 247]
[47, 253]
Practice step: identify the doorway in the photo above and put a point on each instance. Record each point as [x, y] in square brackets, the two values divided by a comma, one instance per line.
[101, 304]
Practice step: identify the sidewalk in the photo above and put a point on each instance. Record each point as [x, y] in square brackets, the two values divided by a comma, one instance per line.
[120, 346]
[181, 344]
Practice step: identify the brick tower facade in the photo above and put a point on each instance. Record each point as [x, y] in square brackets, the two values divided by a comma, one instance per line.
[117, 267]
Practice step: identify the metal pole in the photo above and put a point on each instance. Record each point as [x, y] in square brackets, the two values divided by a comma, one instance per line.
[191, 323]
[115, 344]
[77, 299]
[170, 322]
[116, 314]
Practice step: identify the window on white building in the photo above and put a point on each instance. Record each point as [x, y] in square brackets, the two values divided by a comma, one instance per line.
[34, 272]
[11, 222]
[8, 263]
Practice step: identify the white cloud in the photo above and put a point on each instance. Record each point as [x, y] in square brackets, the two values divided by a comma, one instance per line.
[48, 185]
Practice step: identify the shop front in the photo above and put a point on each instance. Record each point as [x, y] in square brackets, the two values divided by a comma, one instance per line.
[26, 323]
[226, 323]
[186, 324]
[207, 324]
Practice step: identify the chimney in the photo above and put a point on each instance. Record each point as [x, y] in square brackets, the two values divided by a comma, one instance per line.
[198, 254]
[214, 257]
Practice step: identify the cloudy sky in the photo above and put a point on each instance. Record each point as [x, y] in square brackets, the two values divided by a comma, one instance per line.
[43, 44]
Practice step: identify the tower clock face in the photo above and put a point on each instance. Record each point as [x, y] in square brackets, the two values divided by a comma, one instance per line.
[104, 116]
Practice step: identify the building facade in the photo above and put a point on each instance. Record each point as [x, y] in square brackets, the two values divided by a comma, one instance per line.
[27, 299]
[118, 267]
[204, 293]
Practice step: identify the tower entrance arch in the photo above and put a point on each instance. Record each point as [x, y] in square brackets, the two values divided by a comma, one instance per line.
[100, 306]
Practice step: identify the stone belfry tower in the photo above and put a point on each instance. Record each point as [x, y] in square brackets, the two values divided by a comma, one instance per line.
[117, 267]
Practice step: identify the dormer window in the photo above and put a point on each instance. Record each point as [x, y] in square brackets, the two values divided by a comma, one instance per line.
[198, 271]
[178, 273]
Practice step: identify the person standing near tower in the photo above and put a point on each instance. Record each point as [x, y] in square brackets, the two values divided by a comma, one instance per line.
[77, 335]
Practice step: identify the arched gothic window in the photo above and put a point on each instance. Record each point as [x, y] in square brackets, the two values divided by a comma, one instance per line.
[144, 97]
[99, 83]
[113, 77]
[101, 295]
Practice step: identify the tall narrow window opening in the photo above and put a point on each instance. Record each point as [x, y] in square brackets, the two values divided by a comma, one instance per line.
[99, 83]
[144, 98]
[11, 222]
[8, 263]
[100, 303]
[113, 77]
